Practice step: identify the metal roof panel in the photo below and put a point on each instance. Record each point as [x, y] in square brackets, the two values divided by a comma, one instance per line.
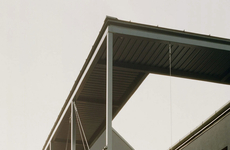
[138, 50]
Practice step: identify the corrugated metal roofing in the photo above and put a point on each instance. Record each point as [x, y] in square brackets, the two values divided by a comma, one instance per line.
[134, 58]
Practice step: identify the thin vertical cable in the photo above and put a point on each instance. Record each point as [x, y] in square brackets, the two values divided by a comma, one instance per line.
[81, 126]
[67, 141]
[83, 142]
[82, 139]
[170, 86]
[83, 136]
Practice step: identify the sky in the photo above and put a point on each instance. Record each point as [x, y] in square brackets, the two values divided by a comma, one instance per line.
[44, 44]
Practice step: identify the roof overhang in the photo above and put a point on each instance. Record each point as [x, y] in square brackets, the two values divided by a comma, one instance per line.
[137, 51]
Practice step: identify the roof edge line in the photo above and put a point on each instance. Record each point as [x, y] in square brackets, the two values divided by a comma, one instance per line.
[208, 123]
[170, 37]
[75, 88]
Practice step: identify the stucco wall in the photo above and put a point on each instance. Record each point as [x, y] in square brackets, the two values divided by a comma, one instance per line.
[118, 142]
[216, 138]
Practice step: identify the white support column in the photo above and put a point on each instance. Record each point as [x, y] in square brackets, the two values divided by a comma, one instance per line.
[50, 146]
[73, 127]
[109, 90]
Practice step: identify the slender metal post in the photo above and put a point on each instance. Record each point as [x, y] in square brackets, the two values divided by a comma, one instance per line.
[170, 86]
[50, 146]
[109, 90]
[73, 127]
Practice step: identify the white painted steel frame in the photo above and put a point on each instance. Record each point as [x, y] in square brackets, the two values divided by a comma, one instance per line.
[109, 90]
[92, 60]
[51, 146]
[109, 34]
[73, 127]
[170, 38]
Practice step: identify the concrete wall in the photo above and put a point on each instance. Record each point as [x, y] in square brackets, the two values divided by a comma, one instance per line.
[118, 142]
[216, 138]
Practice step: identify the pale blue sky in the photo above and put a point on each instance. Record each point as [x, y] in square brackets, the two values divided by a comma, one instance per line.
[44, 44]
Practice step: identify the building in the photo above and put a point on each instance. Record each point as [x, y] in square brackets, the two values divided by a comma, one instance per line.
[213, 134]
[119, 143]
[122, 56]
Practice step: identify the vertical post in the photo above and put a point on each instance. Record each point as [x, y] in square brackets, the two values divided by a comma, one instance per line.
[109, 90]
[50, 146]
[170, 86]
[73, 127]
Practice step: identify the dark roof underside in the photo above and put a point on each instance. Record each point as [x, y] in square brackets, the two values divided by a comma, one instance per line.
[134, 58]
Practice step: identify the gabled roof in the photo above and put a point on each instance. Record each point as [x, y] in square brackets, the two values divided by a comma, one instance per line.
[119, 142]
[138, 50]
[206, 125]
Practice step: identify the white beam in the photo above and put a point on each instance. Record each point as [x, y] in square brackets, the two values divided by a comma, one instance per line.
[73, 127]
[109, 90]
[169, 38]
[92, 61]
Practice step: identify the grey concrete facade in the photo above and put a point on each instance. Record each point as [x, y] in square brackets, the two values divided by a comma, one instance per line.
[119, 143]
[217, 137]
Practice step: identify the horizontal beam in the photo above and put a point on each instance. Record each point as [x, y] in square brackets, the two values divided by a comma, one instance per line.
[165, 71]
[183, 39]
[226, 75]
[132, 88]
[87, 100]
[59, 140]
